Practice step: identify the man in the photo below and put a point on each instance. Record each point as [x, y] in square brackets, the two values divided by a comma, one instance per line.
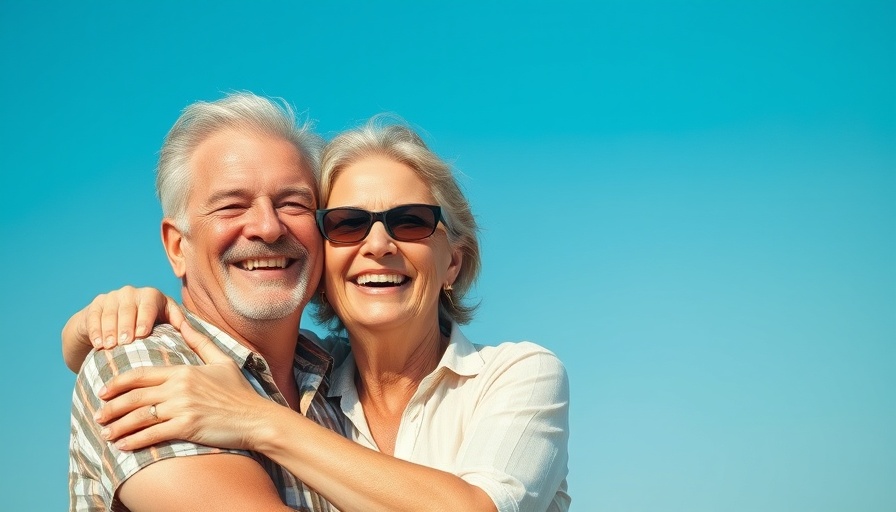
[236, 179]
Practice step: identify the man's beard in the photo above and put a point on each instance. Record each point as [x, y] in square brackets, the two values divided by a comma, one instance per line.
[259, 306]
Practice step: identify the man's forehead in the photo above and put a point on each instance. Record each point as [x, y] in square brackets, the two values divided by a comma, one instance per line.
[235, 161]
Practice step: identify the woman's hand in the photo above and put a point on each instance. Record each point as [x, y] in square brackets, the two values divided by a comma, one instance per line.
[116, 317]
[213, 404]
[122, 315]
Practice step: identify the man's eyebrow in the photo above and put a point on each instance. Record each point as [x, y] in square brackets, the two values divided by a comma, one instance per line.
[304, 193]
[228, 194]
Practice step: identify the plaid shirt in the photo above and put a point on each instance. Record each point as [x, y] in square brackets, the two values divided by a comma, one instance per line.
[97, 468]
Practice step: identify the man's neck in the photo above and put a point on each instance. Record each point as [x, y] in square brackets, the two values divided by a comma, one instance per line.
[274, 340]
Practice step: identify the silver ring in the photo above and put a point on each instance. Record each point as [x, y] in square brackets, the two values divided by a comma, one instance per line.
[152, 412]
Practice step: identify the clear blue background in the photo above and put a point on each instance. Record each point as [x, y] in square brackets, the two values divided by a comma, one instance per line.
[693, 203]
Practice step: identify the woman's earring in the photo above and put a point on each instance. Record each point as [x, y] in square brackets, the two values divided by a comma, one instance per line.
[447, 289]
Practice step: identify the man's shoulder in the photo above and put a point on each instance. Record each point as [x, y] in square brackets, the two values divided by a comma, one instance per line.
[163, 347]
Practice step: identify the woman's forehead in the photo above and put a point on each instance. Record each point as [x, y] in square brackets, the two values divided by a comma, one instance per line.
[378, 182]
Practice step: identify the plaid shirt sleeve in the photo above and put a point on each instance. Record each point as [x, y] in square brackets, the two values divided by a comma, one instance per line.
[96, 467]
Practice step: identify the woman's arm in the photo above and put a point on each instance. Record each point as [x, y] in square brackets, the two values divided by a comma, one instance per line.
[115, 317]
[516, 436]
[214, 405]
[75, 341]
[355, 478]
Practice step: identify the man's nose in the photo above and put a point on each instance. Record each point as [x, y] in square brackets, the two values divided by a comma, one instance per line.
[264, 222]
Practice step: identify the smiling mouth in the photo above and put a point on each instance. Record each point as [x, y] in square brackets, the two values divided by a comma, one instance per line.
[276, 263]
[381, 280]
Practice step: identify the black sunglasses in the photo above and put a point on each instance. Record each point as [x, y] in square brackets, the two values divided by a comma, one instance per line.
[405, 223]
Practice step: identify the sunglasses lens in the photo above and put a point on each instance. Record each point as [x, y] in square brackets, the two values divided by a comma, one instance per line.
[413, 222]
[346, 225]
[406, 223]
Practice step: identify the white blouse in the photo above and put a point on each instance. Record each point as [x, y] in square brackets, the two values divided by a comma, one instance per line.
[495, 416]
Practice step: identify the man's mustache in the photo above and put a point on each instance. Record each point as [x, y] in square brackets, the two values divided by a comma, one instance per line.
[288, 247]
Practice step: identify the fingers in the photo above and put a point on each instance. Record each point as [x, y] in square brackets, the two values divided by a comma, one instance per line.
[141, 377]
[204, 347]
[136, 419]
[134, 401]
[138, 308]
[94, 326]
[173, 312]
[120, 316]
[146, 316]
[140, 428]
[104, 309]
[106, 313]
[127, 317]
[138, 434]
[132, 408]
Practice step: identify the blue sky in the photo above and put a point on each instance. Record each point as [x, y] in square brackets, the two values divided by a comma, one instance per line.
[692, 203]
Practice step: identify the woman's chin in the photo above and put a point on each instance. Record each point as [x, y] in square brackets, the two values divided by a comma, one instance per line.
[380, 316]
[380, 322]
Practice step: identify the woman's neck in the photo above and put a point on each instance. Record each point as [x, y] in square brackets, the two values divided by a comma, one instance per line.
[392, 364]
[390, 369]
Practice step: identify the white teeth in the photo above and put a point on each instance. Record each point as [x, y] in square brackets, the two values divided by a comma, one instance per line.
[380, 278]
[279, 262]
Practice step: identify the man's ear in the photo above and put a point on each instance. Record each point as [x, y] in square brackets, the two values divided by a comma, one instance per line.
[173, 241]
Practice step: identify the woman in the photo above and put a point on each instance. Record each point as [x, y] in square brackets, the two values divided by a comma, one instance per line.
[489, 423]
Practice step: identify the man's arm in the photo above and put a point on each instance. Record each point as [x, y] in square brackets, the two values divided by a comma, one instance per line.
[222, 482]
[174, 475]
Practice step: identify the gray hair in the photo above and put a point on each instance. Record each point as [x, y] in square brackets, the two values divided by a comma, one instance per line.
[202, 119]
[391, 138]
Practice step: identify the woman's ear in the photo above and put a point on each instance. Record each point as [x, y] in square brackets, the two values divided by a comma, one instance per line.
[457, 257]
[173, 241]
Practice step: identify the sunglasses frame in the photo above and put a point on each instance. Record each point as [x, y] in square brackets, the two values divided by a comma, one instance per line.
[373, 217]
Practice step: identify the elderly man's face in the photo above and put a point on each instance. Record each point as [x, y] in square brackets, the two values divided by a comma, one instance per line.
[252, 246]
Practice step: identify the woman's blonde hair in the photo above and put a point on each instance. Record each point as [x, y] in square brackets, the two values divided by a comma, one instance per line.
[388, 136]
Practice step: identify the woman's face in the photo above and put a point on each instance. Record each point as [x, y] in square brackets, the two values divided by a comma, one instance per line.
[380, 282]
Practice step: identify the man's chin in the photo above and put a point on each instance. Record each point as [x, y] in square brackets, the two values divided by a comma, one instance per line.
[266, 306]
[266, 311]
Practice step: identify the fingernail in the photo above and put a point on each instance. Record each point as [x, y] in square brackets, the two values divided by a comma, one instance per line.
[110, 340]
[97, 415]
[123, 337]
[97, 342]
[121, 444]
[102, 392]
[141, 330]
[105, 433]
